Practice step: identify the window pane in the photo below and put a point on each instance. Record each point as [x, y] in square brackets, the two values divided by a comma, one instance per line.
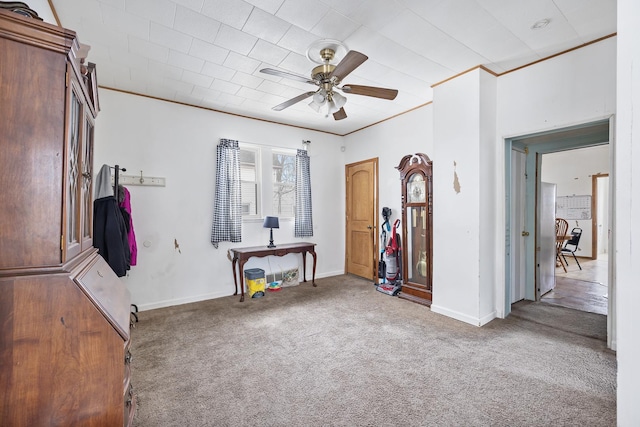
[249, 182]
[247, 172]
[284, 200]
[249, 198]
[284, 178]
[247, 156]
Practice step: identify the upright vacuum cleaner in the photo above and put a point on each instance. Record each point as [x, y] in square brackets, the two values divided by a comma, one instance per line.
[392, 277]
[386, 228]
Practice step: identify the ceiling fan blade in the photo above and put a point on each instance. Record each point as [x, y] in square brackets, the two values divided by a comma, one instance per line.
[376, 92]
[340, 114]
[349, 63]
[292, 101]
[287, 75]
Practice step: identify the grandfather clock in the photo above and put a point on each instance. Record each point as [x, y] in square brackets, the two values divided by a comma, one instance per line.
[417, 213]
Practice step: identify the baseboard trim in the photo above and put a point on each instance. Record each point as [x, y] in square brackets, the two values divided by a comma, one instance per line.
[475, 321]
[488, 318]
[179, 301]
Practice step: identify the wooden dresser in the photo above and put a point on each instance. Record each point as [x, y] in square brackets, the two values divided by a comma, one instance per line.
[64, 314]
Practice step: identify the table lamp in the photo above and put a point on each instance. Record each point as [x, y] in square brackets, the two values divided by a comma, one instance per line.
[271, 222]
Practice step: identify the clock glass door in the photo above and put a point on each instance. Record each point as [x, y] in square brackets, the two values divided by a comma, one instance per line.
[416, 245]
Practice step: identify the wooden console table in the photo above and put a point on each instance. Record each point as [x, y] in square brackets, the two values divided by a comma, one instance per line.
[243, 254]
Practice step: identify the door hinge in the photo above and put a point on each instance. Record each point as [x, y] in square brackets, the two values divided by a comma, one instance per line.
[62, 242]
[66, 77]
[526, 150]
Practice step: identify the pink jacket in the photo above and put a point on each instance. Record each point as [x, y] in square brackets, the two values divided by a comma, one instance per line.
[133, 247]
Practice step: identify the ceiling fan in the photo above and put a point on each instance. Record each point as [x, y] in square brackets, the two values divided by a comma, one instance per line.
[328, 78]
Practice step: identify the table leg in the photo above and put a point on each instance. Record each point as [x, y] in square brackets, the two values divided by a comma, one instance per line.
[235, 279]
[304, 266]
[313, 278]
[241, 272]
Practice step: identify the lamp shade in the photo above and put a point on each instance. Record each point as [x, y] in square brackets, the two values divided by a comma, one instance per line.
[319, 97]
[339, 100]
[315, 106]
[271, 222]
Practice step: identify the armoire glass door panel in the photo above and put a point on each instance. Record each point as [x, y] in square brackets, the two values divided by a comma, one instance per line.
[86, 195]
[72, 230]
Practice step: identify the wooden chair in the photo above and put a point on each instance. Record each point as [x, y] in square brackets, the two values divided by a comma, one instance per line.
[561, 234]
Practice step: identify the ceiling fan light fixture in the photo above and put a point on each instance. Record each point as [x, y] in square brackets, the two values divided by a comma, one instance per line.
[318, 100]
[338, 100]
[320, 97]
[327, 78]
[331, 108]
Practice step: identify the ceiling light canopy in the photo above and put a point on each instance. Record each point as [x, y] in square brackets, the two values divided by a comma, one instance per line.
[316, 51]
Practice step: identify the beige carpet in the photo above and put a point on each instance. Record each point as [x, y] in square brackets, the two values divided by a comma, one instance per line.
[343, 354]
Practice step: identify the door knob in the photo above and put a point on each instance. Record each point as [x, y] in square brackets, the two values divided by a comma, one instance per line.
[369, 227]
[525, 233]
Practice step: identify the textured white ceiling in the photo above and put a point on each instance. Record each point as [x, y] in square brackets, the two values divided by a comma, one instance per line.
[209, 52]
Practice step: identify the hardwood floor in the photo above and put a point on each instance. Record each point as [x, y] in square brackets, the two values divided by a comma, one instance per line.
[585, 289]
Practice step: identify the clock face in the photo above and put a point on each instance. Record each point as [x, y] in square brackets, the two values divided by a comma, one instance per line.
[416, 189]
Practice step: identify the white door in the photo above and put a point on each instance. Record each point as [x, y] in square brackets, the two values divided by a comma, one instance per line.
[546, 239]
[517, 231]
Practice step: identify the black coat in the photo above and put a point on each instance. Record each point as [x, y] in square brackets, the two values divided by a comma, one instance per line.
[110, 234]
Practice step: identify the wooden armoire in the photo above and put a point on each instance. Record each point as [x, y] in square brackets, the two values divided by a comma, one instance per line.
[64, 314]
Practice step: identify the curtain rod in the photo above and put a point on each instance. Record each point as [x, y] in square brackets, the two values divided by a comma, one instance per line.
[304, 143]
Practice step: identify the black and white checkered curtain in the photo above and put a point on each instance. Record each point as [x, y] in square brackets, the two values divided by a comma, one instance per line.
[304, 220]
[227, 212]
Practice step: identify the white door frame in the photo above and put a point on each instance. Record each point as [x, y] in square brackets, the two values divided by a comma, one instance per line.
[596, 132]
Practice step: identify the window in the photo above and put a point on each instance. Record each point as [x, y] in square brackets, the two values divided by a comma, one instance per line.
[268, 178]
[284, 184]
[249, 173]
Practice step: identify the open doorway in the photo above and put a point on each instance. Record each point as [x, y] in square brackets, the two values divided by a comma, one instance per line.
[581, 282]
[521, 201]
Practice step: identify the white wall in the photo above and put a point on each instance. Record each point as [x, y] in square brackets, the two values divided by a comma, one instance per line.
[464, 221]
[627, 210]
[573, 88]
[178, 142]
[571, 171]
[491, 221]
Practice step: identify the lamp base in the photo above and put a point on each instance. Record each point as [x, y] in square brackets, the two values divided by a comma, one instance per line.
[271, 245]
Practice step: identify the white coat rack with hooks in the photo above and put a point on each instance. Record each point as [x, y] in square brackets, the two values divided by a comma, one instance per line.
[141, 179]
